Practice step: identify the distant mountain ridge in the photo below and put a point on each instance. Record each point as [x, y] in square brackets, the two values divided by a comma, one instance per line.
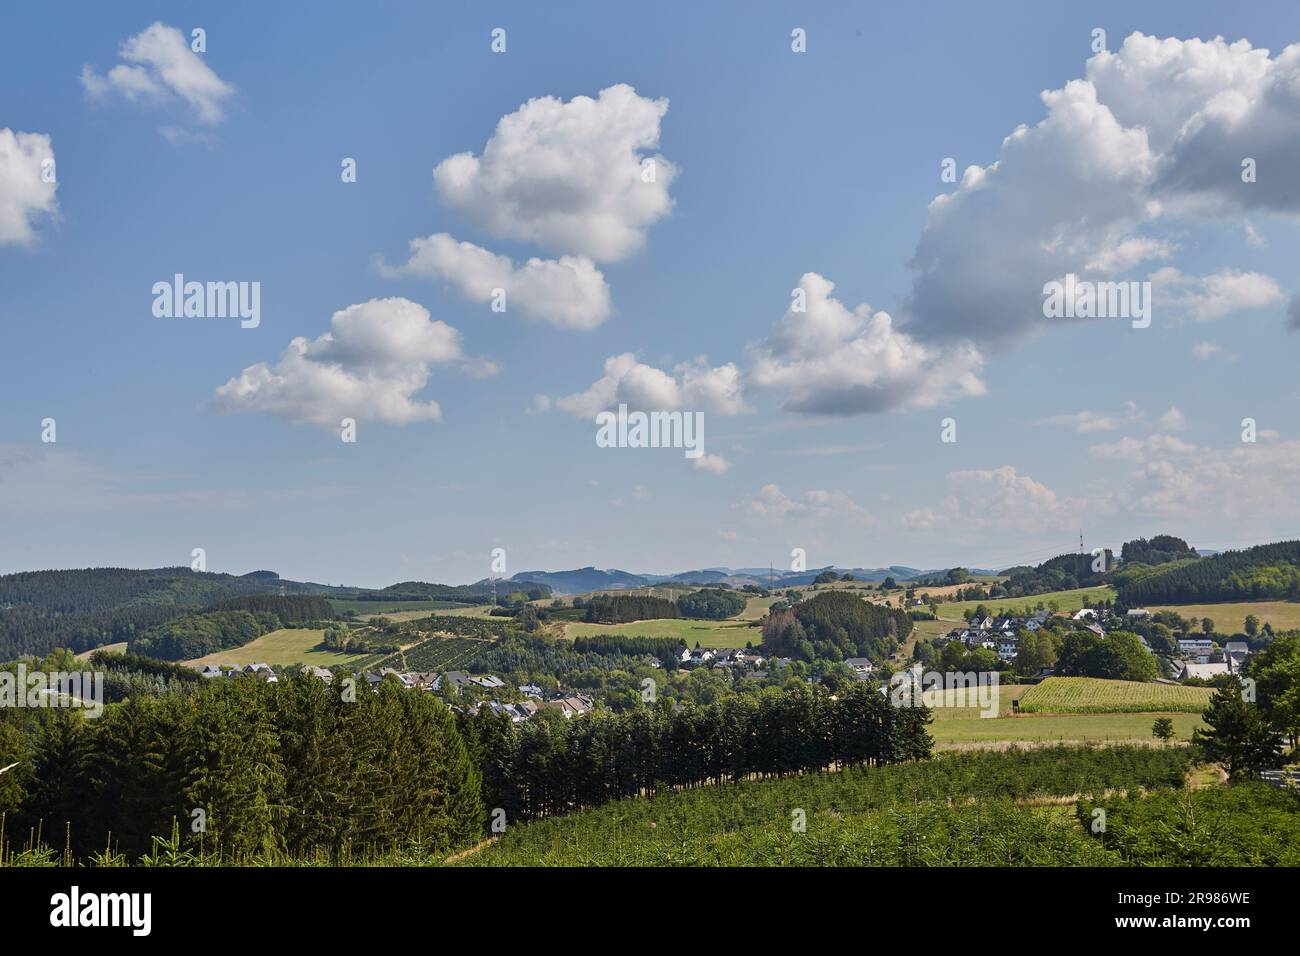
[582, 580]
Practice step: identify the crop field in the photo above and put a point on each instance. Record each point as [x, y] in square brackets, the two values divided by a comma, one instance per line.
[1230, 617]
[286, 646]
[1092, 695]
[436, 654]
[1067, 602]
[713, 634]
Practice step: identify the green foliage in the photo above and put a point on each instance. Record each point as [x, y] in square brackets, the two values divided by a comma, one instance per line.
[1238, 737]
[1248, 825]
[293, 768]
[545, 767]
[622, 608]
[1160, 549]
[1116, 656]
[712, 604]
[835, 625]
[953, 810]
[1266, 571]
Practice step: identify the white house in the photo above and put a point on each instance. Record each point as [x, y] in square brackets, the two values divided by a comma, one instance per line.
[861, 666]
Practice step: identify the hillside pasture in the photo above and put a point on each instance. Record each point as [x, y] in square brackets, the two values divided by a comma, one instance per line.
[1067, 602]
[714, 634]
[289, 645]
[1230, 617]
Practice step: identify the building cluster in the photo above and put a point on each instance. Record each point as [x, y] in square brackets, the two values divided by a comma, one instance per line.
[1202, 657]
[997, 632]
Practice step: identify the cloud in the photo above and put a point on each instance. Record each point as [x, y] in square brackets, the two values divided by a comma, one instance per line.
[691, 386]
[1205, 298]
[570, 292]
[828, 360]
[1170, 477]
[160, 65]
[369, 366]
[567, 176]
[1173, 420]
[995, 497]
[25, 196]
[772, 502]
[1088, 421]
[1152, 135]
[540, 406]
[713, 464]
[1207, 350]
[1293, 313]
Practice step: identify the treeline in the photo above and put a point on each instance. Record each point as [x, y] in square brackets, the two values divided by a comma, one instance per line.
[546, 767]
[466, 593]
[248, 769]
[1160, 549]
[242, 620]
[835, 625]
[1062, 573]
[85, 608]
[623, 608]
[712, 604]
[1266, 571]
[88, 590]
[667, 649]
[34, 632]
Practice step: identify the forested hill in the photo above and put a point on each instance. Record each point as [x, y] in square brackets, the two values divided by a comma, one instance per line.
[84, 608]
[1266, 571]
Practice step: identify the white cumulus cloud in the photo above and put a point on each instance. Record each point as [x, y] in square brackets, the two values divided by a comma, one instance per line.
[567, 176]
[691, 387]
[569, 292]
[369, 366]
[160, 65]
[25, 195]
[830, 360]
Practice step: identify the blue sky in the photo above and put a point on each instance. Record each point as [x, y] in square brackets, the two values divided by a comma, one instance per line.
[784, 165]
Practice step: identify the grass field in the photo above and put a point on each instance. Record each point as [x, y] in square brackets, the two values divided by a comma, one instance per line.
[959, 727]
[1067, 602]
[119, 648]
[1092, 695]
[1230, 618]
[956, 733]
[707, 633]
[285, 646]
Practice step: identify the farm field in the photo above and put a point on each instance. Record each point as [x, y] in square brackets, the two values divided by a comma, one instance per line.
[476, 610]
[1093, 695]
[285, 646]
[756, 607]
[960, 727]
[1067, 602]
[708, 633]
[436, 653]
[1230, 617]
[958, 731]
